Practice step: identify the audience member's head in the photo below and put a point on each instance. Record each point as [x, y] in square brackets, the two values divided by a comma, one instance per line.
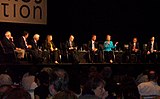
[95, 87]
[59, 81]
[152, 75]
[48, 70]
[5, 79]
[42, 78]
[106, 72]
[93, 72]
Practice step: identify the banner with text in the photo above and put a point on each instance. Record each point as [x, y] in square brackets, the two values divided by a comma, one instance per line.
[23, 11]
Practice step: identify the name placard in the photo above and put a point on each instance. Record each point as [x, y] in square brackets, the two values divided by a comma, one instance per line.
[23, 11]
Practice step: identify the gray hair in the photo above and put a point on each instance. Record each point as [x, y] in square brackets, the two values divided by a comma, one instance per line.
[36, 36]
[5, 79]
[7, 33]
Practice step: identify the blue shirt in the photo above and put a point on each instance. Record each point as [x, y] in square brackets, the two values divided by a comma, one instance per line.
[109, 47]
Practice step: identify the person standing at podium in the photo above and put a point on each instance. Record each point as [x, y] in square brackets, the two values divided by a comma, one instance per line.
[108, 49]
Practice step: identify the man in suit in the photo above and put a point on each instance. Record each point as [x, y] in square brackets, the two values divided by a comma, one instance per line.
[10, 49]
[134, 46]
[71, 47]
[95, 53]
[152, 48]
[134, 49]
[23, 44]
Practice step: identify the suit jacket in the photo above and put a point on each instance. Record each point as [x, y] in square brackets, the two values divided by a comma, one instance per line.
[8, 45]
[90, 45]
[155, 46]
[131, 46]
[67, 44]
[22, 44]
[34, 45]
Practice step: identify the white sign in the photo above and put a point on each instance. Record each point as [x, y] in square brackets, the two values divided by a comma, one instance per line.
[23, 11]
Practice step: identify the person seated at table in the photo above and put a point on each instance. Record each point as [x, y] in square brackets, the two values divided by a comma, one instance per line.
[108, 49]
[134, 48]
[37, 53]
[71, 47]
[12, 51]
[52, 49]
[23, 44]
[95, 52]
[152, 48]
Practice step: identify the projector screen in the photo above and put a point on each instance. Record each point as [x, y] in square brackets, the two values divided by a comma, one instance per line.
[23, 11]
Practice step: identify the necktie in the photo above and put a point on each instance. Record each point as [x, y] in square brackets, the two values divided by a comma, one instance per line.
[151, 46]
[134, 45]
[70, 44]
[36, 43]
[93, 45]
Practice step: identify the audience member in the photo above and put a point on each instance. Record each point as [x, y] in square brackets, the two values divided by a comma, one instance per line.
[94, 89]
[142, 77]
[29, 82]
[150, 89]
[5, 79]
[42, 91]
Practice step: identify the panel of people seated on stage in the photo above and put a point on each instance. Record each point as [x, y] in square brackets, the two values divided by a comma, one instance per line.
[69, 51]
